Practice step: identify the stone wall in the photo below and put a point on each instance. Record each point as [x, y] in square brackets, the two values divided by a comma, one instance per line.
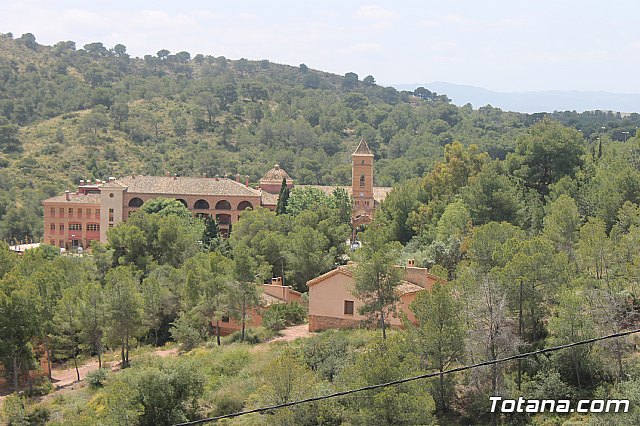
[319, 323]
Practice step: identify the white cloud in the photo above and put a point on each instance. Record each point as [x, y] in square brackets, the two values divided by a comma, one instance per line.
[375, 12]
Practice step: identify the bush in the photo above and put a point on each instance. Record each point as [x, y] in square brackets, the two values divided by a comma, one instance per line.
[284, 315]
[96, 378]
[253, 336]
[227, 403]
[41, 386]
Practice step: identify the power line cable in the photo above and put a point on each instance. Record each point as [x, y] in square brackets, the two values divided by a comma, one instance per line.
[410, 379]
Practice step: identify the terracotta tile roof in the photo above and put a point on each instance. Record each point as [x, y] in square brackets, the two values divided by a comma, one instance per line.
[379, 192]
[268, 299]
[276, 175]
[75, 198]
[183, 186]
[345, 270]
[269, 199]
[405, 287]
[363, 148]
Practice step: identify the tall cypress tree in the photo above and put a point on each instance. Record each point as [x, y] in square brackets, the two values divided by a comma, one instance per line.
[283, 198]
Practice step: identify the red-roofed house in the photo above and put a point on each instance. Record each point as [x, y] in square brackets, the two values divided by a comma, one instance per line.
[332, 304]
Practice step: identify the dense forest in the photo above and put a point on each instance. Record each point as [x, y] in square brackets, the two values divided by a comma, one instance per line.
[532, 222]
[70, 113]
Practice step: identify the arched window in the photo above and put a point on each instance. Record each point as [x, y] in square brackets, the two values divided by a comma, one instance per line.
[244, 205]
[184, 203]
[361, 181]
[223, 219]
[201, 205]
[223, 205]
[135, 202]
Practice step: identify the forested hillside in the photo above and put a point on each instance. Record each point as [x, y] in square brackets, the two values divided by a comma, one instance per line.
[531, 223]
[69, 113]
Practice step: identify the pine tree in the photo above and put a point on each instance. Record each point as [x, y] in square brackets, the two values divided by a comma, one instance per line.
[211, 235]
[283, 198]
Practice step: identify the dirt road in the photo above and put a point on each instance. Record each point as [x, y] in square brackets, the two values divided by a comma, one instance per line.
[293, 333]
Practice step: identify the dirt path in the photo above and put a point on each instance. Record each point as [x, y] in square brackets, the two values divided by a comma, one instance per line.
[65, 377]
[293, 333]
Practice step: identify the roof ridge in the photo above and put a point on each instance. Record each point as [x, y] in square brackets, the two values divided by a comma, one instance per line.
[362, 148]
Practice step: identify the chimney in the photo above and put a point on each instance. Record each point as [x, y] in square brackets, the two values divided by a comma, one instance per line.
[246, 180]
[279, 282]
[411, 263]
[111, 178]
[237, 177]
[81, 182]
[66, 195]
[274, 281]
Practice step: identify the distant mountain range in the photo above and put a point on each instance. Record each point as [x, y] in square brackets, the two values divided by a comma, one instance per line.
[531, 102]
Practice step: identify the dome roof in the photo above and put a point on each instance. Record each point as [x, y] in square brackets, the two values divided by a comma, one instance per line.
[275, 175]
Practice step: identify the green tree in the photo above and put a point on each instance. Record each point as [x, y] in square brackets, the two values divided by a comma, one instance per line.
[561, 224]
[594, 248]
[9, 141]
[19, 324]
[243, 290]
[283, 198]
[350, 81]
[119, 113]
[546, 153]
[50, 282]
[570, 324]
[166, 207]
[376, 276]
[92, 314]
[123, 310]
[68, 323]
[369, 81]
[156, 298]
[439, 335]
[384, 361]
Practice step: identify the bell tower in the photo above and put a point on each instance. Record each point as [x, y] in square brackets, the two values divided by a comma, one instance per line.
[362, 184]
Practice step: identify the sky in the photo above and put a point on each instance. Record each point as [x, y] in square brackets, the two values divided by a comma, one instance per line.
[502, 45]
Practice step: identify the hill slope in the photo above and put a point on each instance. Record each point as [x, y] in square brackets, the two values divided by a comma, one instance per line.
[68, 114]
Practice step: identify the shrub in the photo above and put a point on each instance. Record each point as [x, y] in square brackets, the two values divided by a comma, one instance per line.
[253, 336]
[282, 315]
[227, 403]
[96, 378]
[41, 386]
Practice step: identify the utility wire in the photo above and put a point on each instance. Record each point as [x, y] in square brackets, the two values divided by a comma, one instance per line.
[410, 379]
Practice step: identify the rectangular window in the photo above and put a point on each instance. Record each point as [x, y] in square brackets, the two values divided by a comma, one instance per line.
[75, 227]
[110, 215]
[53, 227]
[53, 211]
[88, 212]
[348, 307]
[62, 226]
[61, 212]
[61, 243]
[111, 225]
[225, 319]
[70, 211]
[93, 227]
[79, 212]
[97, 212]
